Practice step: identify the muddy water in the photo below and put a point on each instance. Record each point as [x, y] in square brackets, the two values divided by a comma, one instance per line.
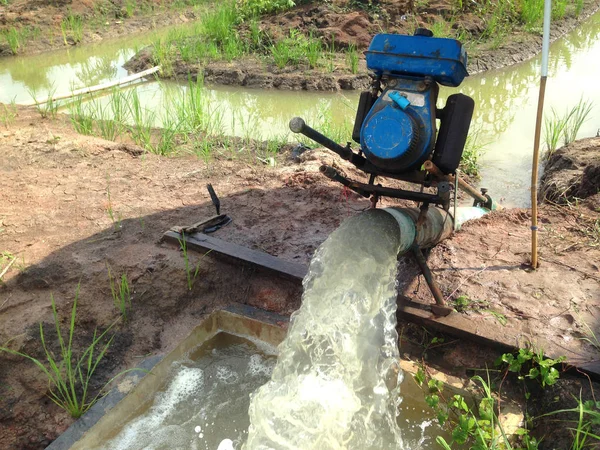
[505, 99]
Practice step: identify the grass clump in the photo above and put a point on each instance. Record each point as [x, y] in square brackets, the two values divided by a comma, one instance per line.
[68, 374]
[191, 272]
[8, 113]
[472, 153]
[121, 294]
[46, 109]
[566, 126]
[72, 27]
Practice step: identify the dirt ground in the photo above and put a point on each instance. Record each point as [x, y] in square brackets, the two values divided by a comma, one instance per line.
[103, 19]
[58, 191]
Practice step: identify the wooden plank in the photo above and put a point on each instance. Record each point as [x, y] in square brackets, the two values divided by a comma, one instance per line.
[458, 325]
[204, 243]
[91, 89]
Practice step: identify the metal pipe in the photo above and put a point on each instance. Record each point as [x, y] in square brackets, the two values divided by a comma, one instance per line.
[367, 190]
[440, 308]
[462, 184]
[436, 226]
[298, 125]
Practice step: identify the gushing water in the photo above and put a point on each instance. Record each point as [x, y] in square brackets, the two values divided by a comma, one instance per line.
[336, 381]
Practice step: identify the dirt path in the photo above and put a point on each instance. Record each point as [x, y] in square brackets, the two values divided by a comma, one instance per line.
[55, 217]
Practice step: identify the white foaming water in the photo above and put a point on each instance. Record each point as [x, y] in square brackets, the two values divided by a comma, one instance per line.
[336, 381]
[204, 401]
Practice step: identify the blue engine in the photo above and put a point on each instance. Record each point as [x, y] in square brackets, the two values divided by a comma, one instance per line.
[398, 126]
[397, 119]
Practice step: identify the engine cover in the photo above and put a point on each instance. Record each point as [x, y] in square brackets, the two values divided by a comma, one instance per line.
[398, 133]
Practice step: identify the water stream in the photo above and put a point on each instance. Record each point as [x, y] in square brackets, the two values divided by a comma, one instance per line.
[337, 378]
[505, 99]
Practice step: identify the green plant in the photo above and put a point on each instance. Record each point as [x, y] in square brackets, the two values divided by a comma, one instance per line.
[48, 107]
[121, 294]
[143, 120]
[532, 365]
[7, 259]
[473, 151]
[253, 8]
[352, 58]
[72, 26]
[8, 113]
[553, 129]
[532, 12]
[190, 276]
[116, 219]
[82, 120]
[575, 118]
[559, 9]
[13, 38]
[588, 416]
[476, 426]
[69, 375]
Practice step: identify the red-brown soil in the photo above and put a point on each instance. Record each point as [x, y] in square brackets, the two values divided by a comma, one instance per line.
[55, 218]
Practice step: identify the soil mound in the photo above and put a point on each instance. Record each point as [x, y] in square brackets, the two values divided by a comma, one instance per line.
[573, 172]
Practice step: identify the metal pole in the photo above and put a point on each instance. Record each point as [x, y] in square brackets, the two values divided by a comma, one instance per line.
[538, 129]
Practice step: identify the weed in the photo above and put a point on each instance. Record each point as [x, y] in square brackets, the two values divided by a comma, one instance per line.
[82, 120]
[540, 367]
[553, 129]
[191, 277]
[8, 113]
[69, 376]
[72, 27]
[352, 58]
[48, 108]
[575, 119]
[567, 125]
[588, 415]
[7, 259]
[121, 294]
[116, 219]
[559, 9]
[109, 129]
[313, 51]
[141, 130]
[473, 151]
[13, 38]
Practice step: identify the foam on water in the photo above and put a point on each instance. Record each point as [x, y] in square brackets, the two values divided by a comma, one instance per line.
[204, 400]
[336, 382]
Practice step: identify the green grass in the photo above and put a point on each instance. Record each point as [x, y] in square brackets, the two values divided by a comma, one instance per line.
[554, 127]
[69, 374]
[352, 58]
[566, 126]
[82, 120]
[13, 38]
[8, 113]
[575, 119]
[121, 294]
[191, 272]
[474, 149]
[72, 27]
[49, 108]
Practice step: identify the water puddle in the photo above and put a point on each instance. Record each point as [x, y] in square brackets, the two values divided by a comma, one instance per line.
[506, 99]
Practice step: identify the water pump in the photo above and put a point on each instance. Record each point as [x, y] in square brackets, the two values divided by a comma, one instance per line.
[396, 120]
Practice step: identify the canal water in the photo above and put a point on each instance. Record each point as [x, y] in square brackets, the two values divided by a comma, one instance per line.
[505, 99]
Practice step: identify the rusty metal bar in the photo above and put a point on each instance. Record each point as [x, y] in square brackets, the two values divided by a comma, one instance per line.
[462, 184]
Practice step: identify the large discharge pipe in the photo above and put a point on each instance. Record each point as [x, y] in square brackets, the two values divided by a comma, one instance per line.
[418, 232]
